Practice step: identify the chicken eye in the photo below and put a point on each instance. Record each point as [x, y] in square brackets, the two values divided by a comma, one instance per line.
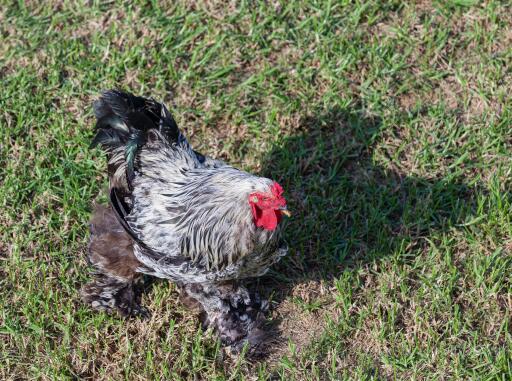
[255, 199]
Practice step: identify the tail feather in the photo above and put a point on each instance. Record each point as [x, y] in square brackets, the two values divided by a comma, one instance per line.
[123, 123]
[125, 112]
[107, 136]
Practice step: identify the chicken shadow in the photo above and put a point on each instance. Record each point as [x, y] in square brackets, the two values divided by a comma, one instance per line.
[348, 211]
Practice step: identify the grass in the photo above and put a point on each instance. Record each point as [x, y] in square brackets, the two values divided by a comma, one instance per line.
[388, 124]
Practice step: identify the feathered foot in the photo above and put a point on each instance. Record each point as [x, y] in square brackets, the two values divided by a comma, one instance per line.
[114, 295]
[117, 283]
[232, 312]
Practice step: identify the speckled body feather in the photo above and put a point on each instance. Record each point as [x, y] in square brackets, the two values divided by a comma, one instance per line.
[187, 214]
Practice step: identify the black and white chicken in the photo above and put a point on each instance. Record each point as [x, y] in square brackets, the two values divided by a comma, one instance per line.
[177, 214]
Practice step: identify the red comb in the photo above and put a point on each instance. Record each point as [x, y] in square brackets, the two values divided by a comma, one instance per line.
[276, 189]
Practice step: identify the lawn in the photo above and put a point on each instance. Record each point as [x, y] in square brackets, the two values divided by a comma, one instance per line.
[388, 125]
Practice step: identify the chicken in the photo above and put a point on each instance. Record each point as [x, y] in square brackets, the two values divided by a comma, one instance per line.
[180, 215]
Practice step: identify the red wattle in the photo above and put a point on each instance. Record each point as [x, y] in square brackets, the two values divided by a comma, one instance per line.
[267, 219]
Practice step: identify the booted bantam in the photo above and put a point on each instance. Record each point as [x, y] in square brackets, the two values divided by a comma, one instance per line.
[177, 214]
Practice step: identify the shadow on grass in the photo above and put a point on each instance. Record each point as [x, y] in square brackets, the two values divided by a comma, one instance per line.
[348, 211]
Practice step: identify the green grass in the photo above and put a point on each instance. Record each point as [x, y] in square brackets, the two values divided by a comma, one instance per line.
[387, 123]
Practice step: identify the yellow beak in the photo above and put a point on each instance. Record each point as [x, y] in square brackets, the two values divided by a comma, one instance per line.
[286, 212]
